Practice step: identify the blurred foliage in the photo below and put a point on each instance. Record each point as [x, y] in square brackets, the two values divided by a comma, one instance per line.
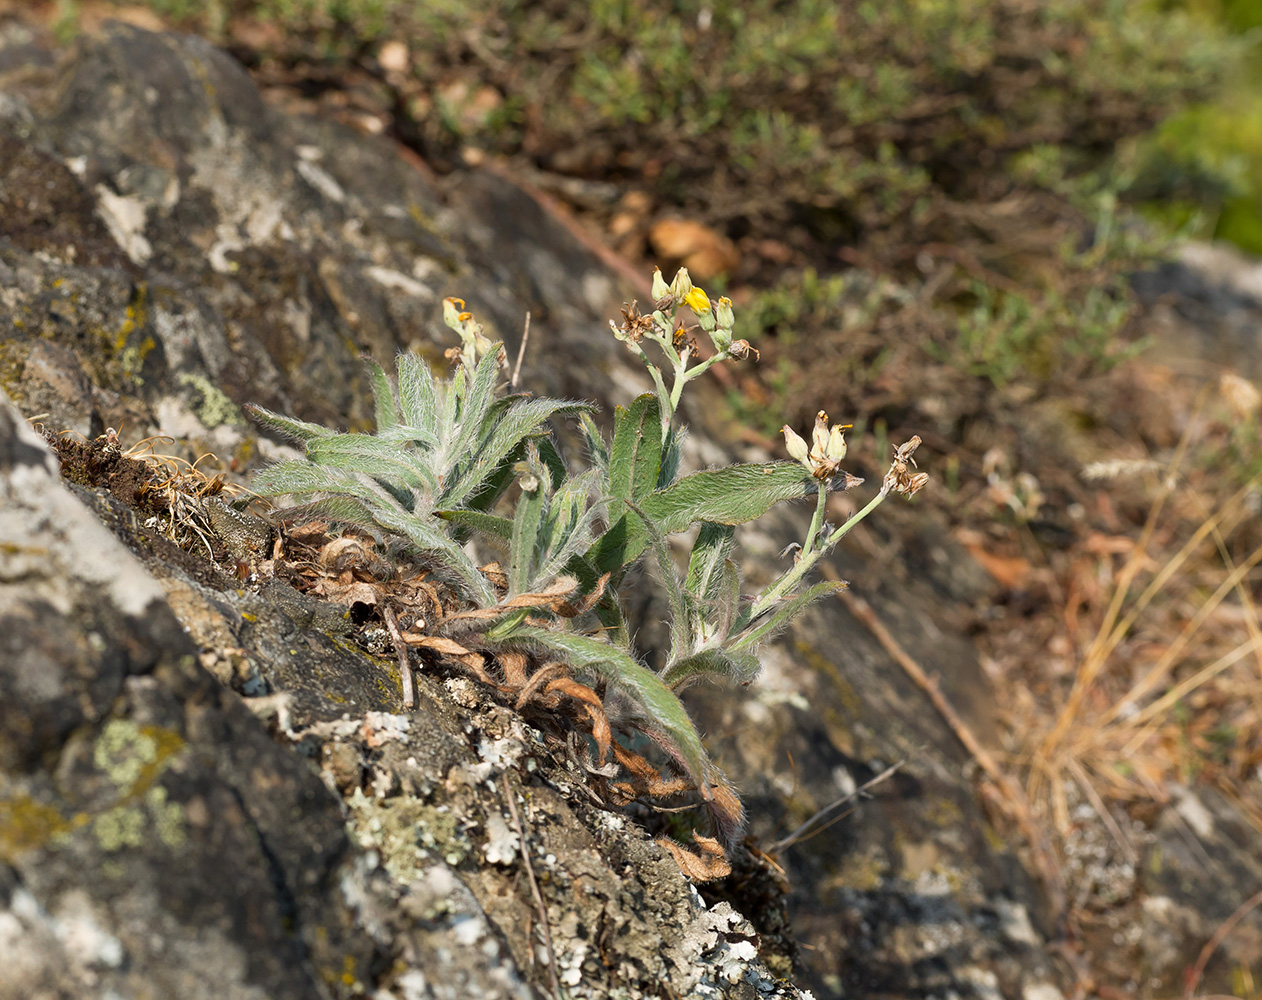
[910, 183]
[1203, 167]
[848, 121]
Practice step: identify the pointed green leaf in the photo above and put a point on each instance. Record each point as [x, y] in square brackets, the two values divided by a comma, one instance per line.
[636, 455]
[373, 457]
[427, 536]
[531, 510]
[784, 614]
[298, 431]
[298, 477]
[733, 495]
[337, 509]
[730, 612]
[417, 401]
[597, 450]
[681, 637]
[672, 455]
[477, 400]
[523, 419]
[705, 564]
[383, 396]
[714, 664]
[487, 524]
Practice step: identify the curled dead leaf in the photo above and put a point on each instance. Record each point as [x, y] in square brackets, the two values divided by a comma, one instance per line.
[705, 866]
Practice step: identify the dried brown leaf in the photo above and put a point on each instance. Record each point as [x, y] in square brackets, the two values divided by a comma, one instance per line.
[707, 865]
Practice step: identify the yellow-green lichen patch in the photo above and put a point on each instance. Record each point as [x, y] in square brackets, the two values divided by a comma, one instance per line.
[862, 871]
[134, 825]
[216, 408]
[120, 827]
[944, 813]
[26, 825]
[13, 355]
[168, 817]
[407, 833]
[133, 756]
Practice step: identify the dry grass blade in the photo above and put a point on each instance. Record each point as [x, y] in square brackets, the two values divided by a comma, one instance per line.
[1211, 946]
[801, 834]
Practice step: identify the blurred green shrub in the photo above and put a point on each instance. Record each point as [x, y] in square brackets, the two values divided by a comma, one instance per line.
[846, 119]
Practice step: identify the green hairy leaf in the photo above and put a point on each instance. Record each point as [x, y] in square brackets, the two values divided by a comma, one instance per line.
[785, 613]
[383, 395]
[722, 664]
[418, 401]
[298, 431]
[709, 552]
[733, 495]
[636, 455]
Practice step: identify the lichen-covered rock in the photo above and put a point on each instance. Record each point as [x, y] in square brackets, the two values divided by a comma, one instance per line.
[155, 838]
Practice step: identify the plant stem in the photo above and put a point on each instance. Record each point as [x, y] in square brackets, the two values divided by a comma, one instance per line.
[808, 560]
[817, 519]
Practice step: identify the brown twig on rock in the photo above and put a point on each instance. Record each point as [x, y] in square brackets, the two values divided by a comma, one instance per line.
[400, 651]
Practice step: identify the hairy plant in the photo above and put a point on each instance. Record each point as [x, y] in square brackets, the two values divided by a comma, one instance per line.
[441, 462]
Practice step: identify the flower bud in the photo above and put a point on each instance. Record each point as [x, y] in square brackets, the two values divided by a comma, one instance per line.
[819, 437]
[698, 301]
[796, 446]
[681, 286]
[836, 448]
[706, 321]
[660, 288]
[452, 308]
[723, 313]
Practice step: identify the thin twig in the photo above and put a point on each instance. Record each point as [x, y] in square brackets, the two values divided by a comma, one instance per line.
[510, 797]
[1012, 793]
[1211, 946]
[400, 651]
[521, 353]
[796, 835]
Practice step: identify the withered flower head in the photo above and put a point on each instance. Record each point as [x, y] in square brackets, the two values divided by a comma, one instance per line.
[634, 324]
[900, 478]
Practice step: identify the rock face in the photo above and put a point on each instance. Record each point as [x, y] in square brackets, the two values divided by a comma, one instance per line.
[208, 791]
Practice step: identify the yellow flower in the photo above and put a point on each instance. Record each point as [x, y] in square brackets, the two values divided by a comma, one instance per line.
[698, 301]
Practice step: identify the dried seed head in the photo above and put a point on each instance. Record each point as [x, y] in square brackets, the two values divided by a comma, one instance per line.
[900, 478]
[634, 324]
[740, 350]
